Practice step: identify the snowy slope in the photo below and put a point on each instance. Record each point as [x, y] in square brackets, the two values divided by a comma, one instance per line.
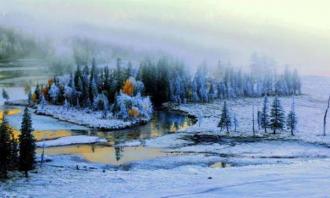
[305, 179]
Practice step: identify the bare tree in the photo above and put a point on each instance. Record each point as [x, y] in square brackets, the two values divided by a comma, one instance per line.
[325, 118]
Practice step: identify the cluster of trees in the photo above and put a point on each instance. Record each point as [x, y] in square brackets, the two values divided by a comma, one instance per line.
[17, 154]
[274, 119]
[100, 89]
[167, 80]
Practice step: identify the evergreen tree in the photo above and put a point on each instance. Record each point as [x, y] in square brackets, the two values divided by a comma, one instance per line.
[277, 120]
[292, 121]
[27, 145]
[5, 95]
[225, 121]
[13, 165]
[264, 115]
[37, 94]
[5, 148]
[92, 84]
[259, 119]
[30, 101]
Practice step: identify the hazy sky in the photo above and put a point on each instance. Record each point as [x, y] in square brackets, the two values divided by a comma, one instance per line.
[291, 31]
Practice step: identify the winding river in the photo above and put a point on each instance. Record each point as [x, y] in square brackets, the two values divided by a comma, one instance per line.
[113, 151]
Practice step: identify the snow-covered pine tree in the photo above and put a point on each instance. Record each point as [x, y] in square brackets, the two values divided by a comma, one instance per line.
[200, 83]
[277, 116]
[54, 93]
[27, 145]
[292, 120]
[43, 101]
[264, 115]
[211, 93]
[225, 120]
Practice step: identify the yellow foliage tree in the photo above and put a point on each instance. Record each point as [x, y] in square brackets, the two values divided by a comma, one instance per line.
[128, 87]
[134, 112]
[34, 98]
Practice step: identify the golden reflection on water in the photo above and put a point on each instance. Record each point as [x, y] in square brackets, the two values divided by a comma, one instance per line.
[9, 112]
[107, 154]
[45, 135]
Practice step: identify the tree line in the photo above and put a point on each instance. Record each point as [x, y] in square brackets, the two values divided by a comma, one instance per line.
[17, 154]
[274, 119]
[163, 80]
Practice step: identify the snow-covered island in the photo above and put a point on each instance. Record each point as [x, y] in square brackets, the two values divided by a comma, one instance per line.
[94, 98]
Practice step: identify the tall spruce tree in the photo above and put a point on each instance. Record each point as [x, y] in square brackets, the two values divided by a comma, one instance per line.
[292, 121]
[264, 115]
[13, 164]
[5, 148]
[277, 116]
[225, 121]
[27, 145]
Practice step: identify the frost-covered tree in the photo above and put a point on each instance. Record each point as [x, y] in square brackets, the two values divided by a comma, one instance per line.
[132, 106]
[225, 120]
[101, 102]
[292, 120]
[212, 93]
[277, 116]
[200, 84]
[43, 101]
[54, 92]
[265, 115]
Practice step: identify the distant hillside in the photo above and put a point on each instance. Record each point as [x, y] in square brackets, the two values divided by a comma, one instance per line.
[15, 45]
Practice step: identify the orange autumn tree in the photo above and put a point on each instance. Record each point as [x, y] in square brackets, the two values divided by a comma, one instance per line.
[128, 87]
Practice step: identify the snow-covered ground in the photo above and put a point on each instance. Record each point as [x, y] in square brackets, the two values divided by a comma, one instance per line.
[86, 118]
[310, 109]
[42, 123]
[79, 139]
[267, 166]
[302, 179]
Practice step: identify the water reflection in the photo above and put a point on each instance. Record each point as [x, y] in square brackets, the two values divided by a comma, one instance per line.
[107, 154]
[162, 123]
[114, 152]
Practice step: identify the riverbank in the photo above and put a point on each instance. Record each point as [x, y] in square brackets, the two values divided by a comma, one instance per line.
[88, 118]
